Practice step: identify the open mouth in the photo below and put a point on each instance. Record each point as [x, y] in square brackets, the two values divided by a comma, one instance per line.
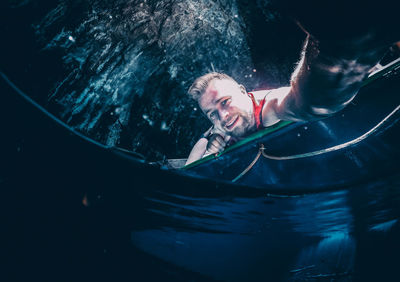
[229, 125]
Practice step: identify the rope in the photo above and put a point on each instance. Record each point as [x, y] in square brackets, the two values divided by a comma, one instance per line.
[334, 148]
[260, 150]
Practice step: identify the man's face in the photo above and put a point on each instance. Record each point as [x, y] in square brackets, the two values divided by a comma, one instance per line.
[228, 107]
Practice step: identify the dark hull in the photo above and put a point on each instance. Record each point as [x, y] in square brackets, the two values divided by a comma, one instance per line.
[77, 210]
[356, 144]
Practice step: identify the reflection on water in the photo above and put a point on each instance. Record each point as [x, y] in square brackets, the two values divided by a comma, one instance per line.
[329, 235]
[329, 218]
[327, 215]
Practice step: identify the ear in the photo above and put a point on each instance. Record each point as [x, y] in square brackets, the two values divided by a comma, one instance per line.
[242, 89]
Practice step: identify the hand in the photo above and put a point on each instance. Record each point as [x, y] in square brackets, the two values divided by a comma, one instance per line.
[216, 144]
[208, 133]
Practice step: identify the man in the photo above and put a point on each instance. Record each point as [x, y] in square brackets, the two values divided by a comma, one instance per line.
[326, 79]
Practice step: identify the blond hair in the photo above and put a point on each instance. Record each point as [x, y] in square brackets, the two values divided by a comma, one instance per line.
[200, 85]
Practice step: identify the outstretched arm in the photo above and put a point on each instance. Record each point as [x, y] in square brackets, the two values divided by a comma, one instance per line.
[324, 82]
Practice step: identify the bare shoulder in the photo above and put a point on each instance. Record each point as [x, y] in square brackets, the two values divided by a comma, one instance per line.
[278, 93]
[260, 94]
[270, 94]
[274, 101]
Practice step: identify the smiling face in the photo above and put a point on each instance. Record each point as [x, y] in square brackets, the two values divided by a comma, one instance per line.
[228, 107]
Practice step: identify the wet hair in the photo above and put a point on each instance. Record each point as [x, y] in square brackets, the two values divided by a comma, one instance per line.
[201, 83]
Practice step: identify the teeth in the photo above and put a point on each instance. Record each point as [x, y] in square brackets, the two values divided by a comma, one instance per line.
[231, 122]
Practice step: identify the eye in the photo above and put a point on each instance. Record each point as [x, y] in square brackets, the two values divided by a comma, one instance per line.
[213, 115]
[226, 101]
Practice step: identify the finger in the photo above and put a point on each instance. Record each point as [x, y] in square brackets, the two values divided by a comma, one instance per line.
[215, 148]
[211, 148]
[220, 141]
[223, 134]
[218, 131]
[208, 132]
[210, 152]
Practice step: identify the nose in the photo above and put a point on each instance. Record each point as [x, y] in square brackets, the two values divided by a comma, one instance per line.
[223, 113]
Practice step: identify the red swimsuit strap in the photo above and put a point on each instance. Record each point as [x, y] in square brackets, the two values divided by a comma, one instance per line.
[257, 110]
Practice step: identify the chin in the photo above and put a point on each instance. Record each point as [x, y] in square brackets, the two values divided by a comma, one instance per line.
[240, 132]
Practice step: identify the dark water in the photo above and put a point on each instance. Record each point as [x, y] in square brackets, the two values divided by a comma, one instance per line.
[118, 71]
[346, 235]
